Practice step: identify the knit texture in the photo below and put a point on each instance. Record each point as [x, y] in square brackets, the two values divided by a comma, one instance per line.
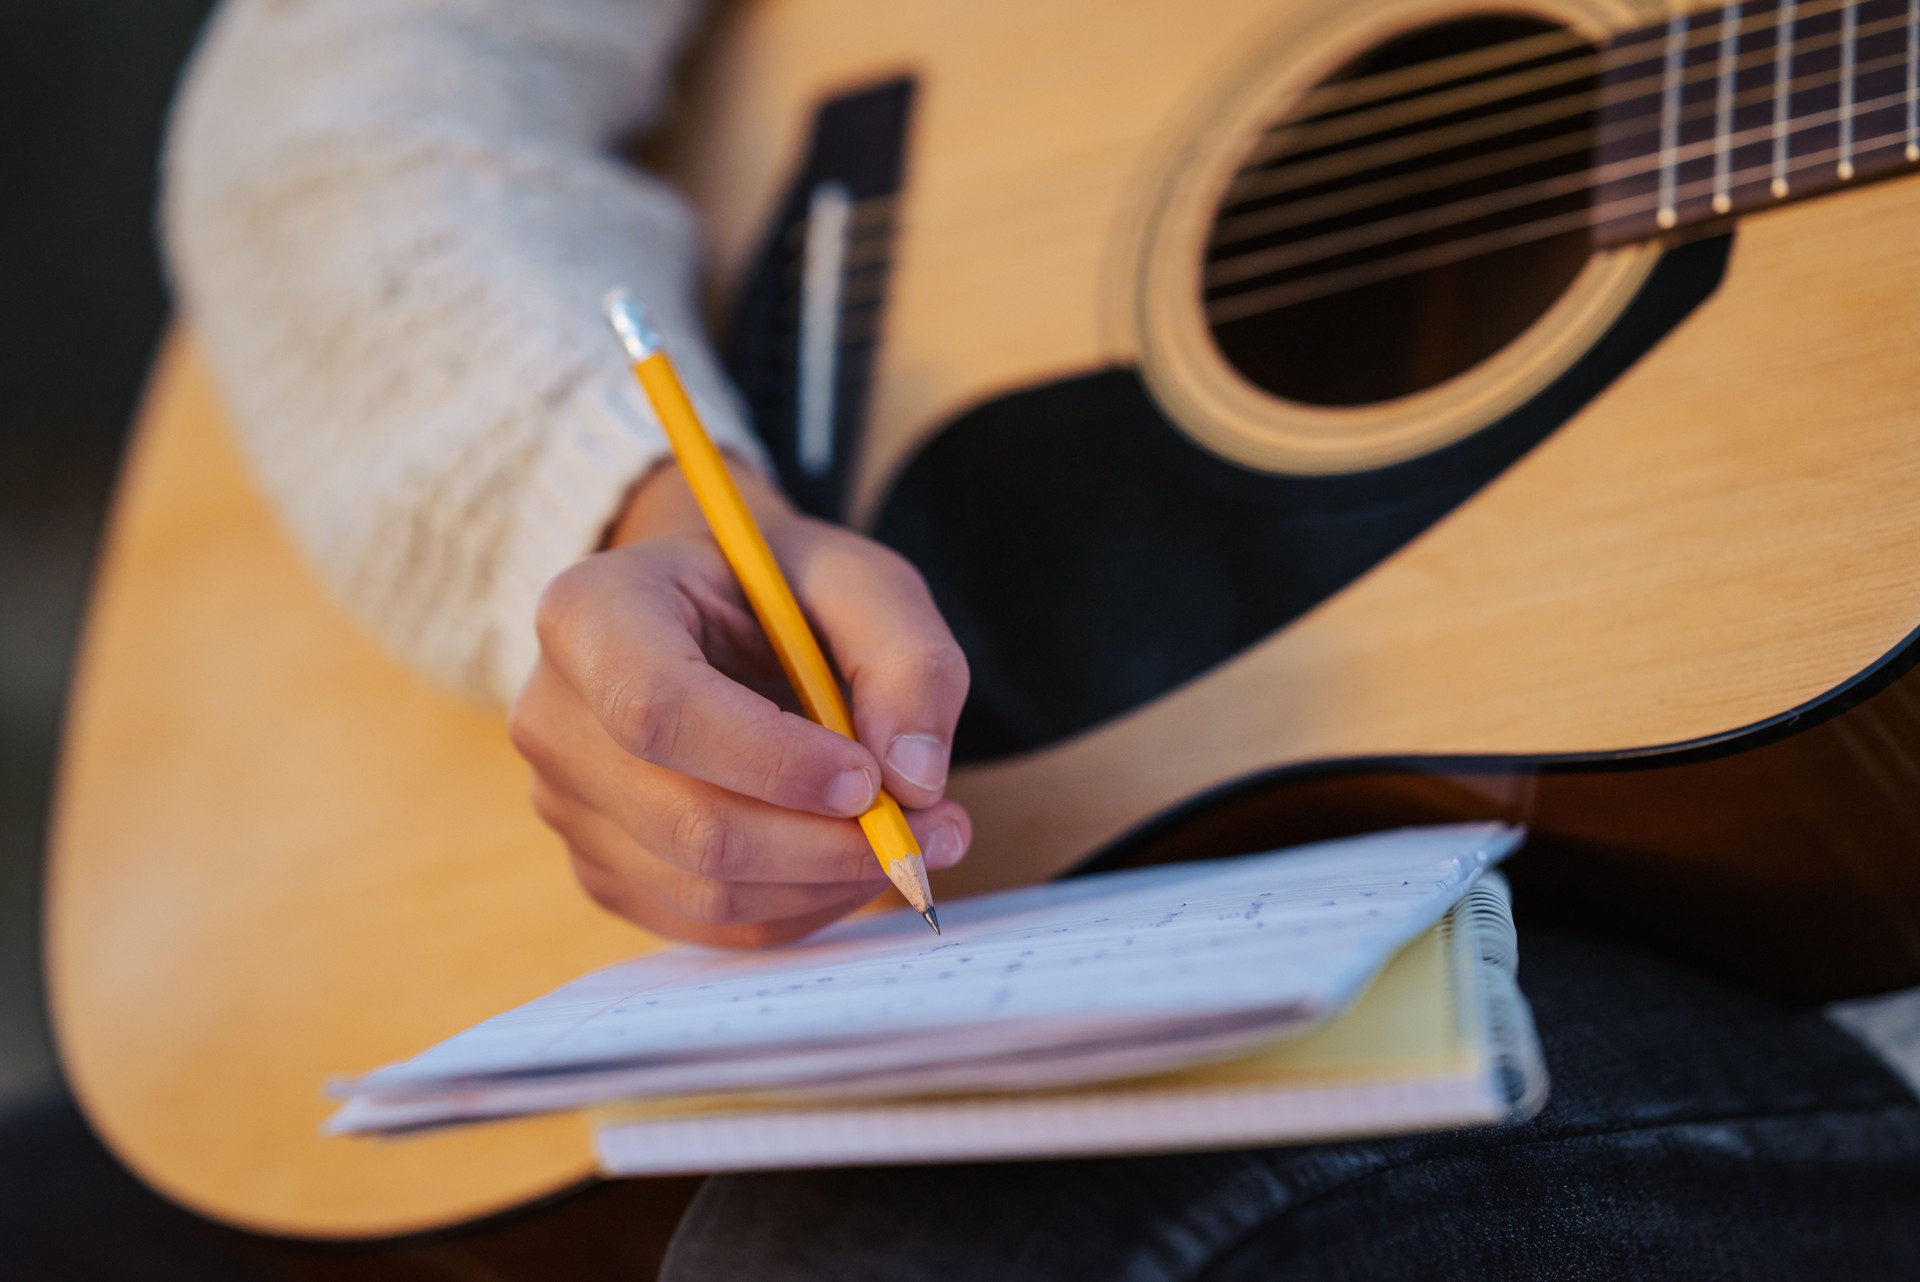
[390, 223]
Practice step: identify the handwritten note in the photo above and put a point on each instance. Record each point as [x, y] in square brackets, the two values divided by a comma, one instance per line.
[1100, 976]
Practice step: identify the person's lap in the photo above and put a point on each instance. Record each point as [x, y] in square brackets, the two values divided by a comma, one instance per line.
[1693, 1132]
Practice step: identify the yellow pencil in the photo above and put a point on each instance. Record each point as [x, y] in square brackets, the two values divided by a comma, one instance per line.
[767, 592]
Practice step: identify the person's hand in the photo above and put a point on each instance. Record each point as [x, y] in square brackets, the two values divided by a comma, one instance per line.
[668, 751]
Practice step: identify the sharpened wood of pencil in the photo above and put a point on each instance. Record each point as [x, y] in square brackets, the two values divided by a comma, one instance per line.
[765, 586]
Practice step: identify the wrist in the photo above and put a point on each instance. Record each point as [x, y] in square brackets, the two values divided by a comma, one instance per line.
[661, 504]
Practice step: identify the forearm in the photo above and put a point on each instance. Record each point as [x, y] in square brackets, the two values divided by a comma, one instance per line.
[391, 222]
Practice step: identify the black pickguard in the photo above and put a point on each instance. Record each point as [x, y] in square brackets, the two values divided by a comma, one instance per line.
[1087, 554]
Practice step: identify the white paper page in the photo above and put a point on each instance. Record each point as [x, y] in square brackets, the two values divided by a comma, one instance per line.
[1027, 1126]
[1290, 936]
[926, 1066]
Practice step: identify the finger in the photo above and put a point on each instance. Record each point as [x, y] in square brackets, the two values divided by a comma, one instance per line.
[715, 834]
[624, 634]
[695, 825]
[611, 893]
[907, 673]
[647, 883]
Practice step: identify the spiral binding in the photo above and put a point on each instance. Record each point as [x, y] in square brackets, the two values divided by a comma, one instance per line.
[1482, 925]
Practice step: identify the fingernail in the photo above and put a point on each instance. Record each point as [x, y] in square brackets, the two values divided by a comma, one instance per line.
[943, 846]
[850, 793]
[920, 759]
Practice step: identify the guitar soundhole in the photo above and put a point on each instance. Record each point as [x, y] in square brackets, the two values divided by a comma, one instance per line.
[1422, 208]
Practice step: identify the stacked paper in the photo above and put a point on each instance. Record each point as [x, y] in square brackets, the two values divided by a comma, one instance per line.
[1091, 979]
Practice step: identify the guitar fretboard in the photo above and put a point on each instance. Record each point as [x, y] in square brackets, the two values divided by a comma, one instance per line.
[1730, 110]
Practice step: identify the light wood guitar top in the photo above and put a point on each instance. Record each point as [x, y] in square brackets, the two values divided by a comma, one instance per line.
[279, 856]
[390, 884]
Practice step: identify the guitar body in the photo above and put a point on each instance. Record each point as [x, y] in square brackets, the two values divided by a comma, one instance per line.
[1628, 552]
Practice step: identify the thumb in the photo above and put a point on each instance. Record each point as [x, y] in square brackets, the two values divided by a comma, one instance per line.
[908, 676]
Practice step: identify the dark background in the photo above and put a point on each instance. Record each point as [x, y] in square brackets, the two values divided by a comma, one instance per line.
[84, 86]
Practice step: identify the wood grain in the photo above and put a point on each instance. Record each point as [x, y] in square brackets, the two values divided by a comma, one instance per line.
[1662, 569]
[279, 857]
[1729, 533]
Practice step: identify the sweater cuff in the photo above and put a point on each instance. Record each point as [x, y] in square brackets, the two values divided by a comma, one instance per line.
[605, 439]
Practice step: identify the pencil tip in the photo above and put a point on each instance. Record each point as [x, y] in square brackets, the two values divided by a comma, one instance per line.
[933, 918]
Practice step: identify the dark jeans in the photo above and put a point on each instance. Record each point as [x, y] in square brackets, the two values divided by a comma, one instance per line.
[1694, 1132]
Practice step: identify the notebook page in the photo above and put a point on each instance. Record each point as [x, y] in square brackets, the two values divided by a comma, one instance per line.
[1141, 955]
[1401, 1058]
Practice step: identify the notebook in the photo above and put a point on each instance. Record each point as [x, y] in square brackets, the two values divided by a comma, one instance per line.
[1194, 1005]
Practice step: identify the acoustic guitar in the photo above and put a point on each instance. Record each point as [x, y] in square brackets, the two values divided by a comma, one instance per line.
[1310, 414]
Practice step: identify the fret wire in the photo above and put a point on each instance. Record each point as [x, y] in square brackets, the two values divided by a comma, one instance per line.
[1670, 115]
[1291, 293]
[1274, 218]
[1849, 44]
[1913, 80]
[1723, 109]
[1254, 185]
[1306, 133]
[1251, 265]
[1389, 189]
[1909, 97]
[1394, 84]
[1782, 79]
[1237, 306]
[1599, 214]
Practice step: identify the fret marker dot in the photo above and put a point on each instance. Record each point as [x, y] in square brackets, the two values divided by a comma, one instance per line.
[1722, 204]
[1666, 218]
[1779, 189]
[1845, 170]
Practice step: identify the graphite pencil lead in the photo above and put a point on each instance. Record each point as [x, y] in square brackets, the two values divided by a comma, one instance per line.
[933, 918]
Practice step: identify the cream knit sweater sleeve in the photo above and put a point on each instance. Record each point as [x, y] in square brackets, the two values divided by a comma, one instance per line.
[390, 223]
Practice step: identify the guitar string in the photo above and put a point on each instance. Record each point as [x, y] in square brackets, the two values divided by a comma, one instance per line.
[1292, 293]
[1380, 86]
[1257, 263]
[1383, 191]
[1256, 183]
[1323, 132]
[1320, 285]
[1358, 159]
[1590, 178]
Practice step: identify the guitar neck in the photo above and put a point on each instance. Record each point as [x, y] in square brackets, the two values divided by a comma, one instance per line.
[1729, 110]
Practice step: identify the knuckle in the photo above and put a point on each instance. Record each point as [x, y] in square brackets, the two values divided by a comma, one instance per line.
[713, 903]
[644, 716]
[777, 769]
[526, 731]
[705, 840]
[602, 890]
[935, 664]
[546, 803]
[559, 606]
[946, 661]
